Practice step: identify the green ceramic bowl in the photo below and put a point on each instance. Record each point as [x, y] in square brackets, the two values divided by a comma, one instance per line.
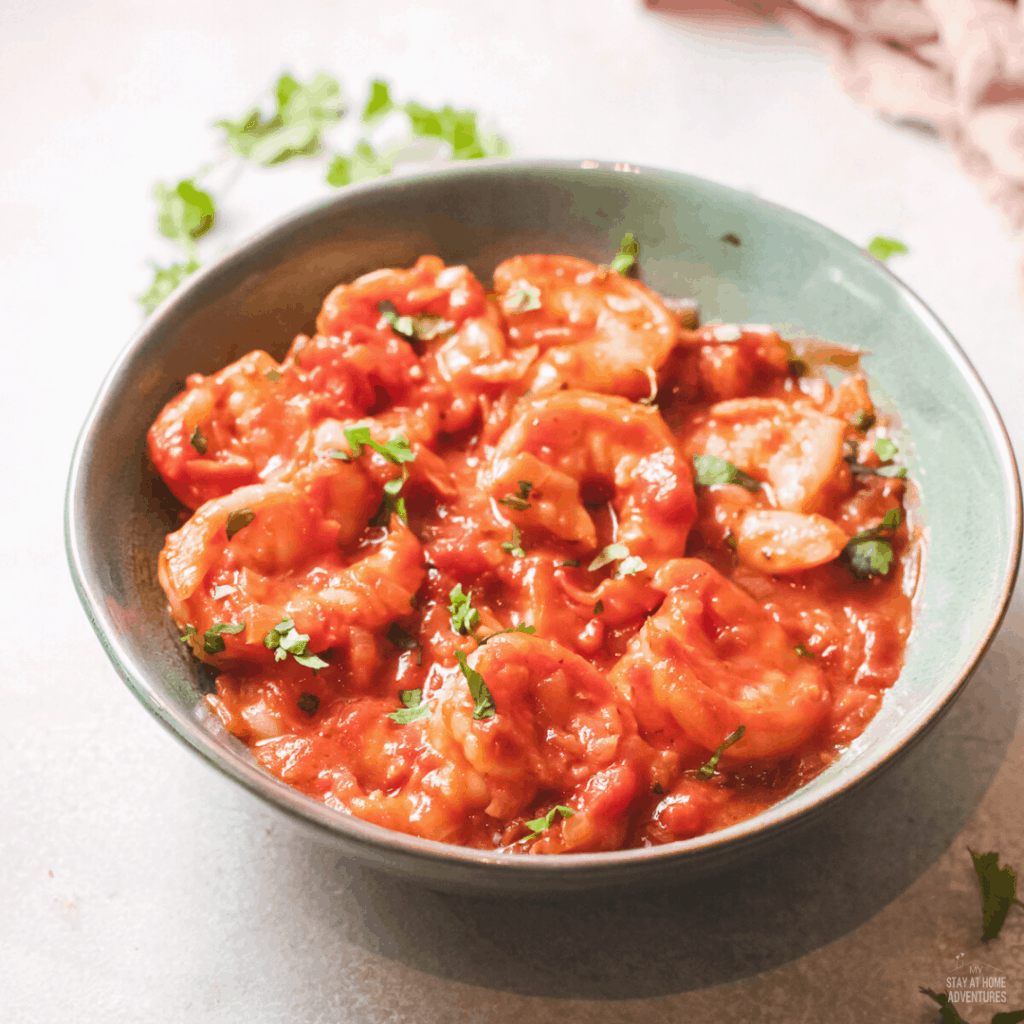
[787, 271]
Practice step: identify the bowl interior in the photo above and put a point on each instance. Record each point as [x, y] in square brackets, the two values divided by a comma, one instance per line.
[786, 271]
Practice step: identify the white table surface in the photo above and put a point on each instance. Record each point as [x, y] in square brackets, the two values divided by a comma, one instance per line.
[140, 886]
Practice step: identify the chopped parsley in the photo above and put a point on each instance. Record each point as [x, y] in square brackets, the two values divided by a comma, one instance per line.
[862, 420]
[572, 563]
[184, 213]
[518, 502]
[198, 441]
[223, 591]
[308, 702]
[364, 163]
[396, 450]
[630, 566]
[658, 789]
[515, 545]
[869, 553]
[238, 520]
[707, 770]
[712, 471]
[521, 299]
[285, 639]
[998, 892]
[483, 701]
[627, 254]
[882, 248]
[273, 376]
[802, 651]
[378, 104]
[413, 708]
[885, 449]
[538, 825]
[213, 642]
[520, 627]
[421, 327]
[465, 618]
[165, 280]
[190, 631]
[730, 540]
[607, 555]
[599, 608]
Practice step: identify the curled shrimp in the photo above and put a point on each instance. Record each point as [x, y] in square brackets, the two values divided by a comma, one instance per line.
[728, 360]
[799, 451]
[599, 331]
[283, 562]
[712, 659]
[571, 441]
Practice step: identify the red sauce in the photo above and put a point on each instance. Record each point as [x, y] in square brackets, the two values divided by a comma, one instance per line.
[644, 657]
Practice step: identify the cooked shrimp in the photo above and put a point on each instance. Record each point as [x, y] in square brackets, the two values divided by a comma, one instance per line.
[712, 659]
[572, 440]
[729, 360]
[783, 542]
[283, 563]
[797, 450]
[599, 331]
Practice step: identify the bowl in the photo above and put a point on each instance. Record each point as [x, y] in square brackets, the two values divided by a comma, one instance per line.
[786, 270]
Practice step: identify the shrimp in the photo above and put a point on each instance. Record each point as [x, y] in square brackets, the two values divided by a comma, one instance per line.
[712, 659]
[600, 331]
[557, 723]
[566, 443]
[799, 451]
[729, 360]
[784, 542]
[283, 563]
[429, 289]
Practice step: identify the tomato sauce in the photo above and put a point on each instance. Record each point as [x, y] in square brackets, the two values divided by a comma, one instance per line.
[540, 569]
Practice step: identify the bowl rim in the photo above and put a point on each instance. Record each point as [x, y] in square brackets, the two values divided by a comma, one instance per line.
[330, 824]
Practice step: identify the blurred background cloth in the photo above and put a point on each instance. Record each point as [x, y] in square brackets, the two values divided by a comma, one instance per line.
[952, 67]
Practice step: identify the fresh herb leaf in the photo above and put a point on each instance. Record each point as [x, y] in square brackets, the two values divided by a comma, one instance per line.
[198, 441]
[413, 710]
[484, 702]
[712, 471]
[612, 553]
[882, 248]
[273, 376]
[730, 540]
[295, 129]
[465, 618]
[401, 639]
[421, 327]
[364, 164]
[223, 591]
[897, 472]
[707, 770]
[515, 503]
[337, 453]
[630, 566]
[599, 608]
[378, 104]
[357, 437]
[862, 420]
[658, 789]
[998, 892]
[189, 631]
[518, 628]
[515, 545]
[869, 553]
[308, 702]
[458, 128]
[572, 563]
[947, 1010]
[185, 212]
[213, 642]
[627, 254]
[238, 520]
[538, 825]
[165, 280]
[311, 661]
[802, 651]
[396, 451]
[885, 449]
[521, 299]
[285, 639]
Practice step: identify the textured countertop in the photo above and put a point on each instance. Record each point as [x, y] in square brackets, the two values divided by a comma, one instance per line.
[140, 886]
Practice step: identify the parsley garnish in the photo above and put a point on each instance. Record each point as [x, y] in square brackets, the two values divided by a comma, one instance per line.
[484, 702]
[885, 449]
[612, 553]
[572, 563]
[414, 707]
[627, 254]
[630, 566]
[520, 627]
[364, 163]
[198, 441]
[273, 376]
[421, 327]
[802, 651]
[165, 280]
[223, 591]
[378, 104]
[308, 702]
[711, 471]
[998, 892]
[658, 789]
[730, 239]
[707, 770]
[518, 502]
[730, 540]
[538, 825]
[599, 608]
[185, 212]
[465, 618]
[190, 630]
[213, 642]
[397, 450]
[862, 420]
[522, 299]
[238, 520]
[285, 639]
[869, 553]
[882, 248]
[515, 545]
[405, 641]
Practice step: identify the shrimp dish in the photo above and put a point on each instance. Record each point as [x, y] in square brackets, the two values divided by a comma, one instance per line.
[543, 568]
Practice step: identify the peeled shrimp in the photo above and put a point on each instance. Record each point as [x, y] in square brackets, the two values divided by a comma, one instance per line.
[569, 440]
[599, 331]
[712, 659]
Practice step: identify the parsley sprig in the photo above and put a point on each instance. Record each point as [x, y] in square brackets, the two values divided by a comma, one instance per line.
[465, 618]
[869, 553]
[522, 299]
[624, 259]
[711, 471]
[998, 892]
[882, 248]
[705, 771]
[418, 327]
[517, 502]
[482, 698]
[395, 451]
[285, 639]
[414, 708]
[628, 564]
[539, 825]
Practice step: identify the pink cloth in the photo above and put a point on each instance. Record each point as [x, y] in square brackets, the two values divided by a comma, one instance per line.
[953, 65]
